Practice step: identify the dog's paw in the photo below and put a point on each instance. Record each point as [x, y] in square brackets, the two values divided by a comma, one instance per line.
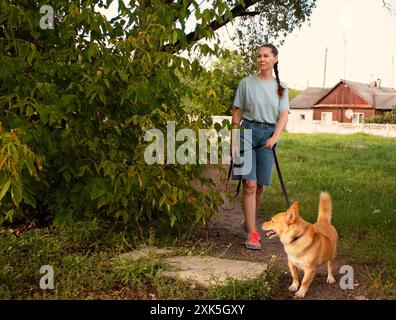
[330, 279]
[300, 293]
[294, 286]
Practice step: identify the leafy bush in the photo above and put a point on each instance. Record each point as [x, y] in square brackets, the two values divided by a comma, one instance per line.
[75, 103]
[387, 117]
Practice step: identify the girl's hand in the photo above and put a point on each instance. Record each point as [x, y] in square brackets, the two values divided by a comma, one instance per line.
[271, 142]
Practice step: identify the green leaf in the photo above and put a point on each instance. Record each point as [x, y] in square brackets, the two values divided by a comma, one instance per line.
[67, 176]
[29, 111]
[9, 215]
[175, 36]
[102, 96]
[195, 67]
[66, 99]
[107, 83]
[93, 144]
[71, 108]
[52, 117]
[97, 191]
[31, 54]
[44, 115]
[173, 220]
[35, 34]
[123, 75]
[91, 51]
[81, 171]
[163, 198]
[75, 67]
[16, 193]
[5, 188]
[102, 202]
[29, 160]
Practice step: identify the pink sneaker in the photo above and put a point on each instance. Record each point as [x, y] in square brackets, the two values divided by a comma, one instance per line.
[244, 228]
[253, 241]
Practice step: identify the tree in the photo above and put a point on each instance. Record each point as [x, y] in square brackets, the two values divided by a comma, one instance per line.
[293, 93]
[270, 21]
[77, 100]
[386, 117]
[228, 72]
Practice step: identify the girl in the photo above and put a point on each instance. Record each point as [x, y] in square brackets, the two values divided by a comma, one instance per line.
[262, 103]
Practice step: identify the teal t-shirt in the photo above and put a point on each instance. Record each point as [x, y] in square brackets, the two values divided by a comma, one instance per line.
[259, 99]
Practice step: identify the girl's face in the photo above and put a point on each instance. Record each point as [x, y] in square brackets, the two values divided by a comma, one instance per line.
[266, 59]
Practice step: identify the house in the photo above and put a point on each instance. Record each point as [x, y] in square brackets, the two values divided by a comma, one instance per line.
[301, 107]
[351, 102]
[347, 102]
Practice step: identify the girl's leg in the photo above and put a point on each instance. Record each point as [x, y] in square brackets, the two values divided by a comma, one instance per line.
[249, 204]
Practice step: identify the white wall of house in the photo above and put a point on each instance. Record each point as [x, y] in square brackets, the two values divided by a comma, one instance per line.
[316, 126]
[301, 115]
[304, 115]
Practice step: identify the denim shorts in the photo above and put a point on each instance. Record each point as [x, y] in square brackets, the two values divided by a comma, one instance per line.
[262, 158]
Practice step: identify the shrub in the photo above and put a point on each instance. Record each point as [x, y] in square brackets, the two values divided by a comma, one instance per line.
[387, 117]
[75, 103]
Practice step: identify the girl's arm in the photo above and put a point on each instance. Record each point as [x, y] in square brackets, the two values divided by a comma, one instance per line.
[282, 121]
[236, 120]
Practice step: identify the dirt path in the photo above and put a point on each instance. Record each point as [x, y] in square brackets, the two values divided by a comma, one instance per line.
[227, 239]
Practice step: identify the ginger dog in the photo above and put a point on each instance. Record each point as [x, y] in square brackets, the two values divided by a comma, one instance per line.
[307, 245]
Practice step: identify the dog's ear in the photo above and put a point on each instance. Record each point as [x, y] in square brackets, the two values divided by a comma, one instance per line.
[295, 207]
[292, 213]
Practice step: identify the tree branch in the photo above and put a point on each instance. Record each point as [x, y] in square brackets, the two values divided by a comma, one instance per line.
[249, 13]
[388, 6]
[237, 11]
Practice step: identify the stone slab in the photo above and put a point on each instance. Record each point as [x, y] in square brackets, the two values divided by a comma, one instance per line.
[207, 271]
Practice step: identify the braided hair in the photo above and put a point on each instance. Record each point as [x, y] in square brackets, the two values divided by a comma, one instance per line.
[275, 53]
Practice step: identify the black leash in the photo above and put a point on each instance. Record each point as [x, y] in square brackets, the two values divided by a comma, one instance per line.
[280, 176]
[278, 170]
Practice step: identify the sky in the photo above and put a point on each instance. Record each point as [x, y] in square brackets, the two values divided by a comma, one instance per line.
[360, 36]
[370, 35]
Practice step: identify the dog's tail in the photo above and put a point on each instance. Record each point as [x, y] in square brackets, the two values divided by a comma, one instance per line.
[324, 207]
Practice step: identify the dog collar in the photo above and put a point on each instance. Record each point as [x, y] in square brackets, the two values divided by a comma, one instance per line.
[298, 237]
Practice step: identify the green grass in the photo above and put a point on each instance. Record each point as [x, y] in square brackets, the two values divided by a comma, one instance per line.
[260, 288]
[359, 171]
[95, 270]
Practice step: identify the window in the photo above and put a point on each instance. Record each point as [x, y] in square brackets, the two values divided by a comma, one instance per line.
[302, 116]
[357, 117]
[327, 117]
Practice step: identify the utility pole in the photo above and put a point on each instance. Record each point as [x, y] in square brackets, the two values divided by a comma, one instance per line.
[393, 60]
[325, 65]
[345, 58]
